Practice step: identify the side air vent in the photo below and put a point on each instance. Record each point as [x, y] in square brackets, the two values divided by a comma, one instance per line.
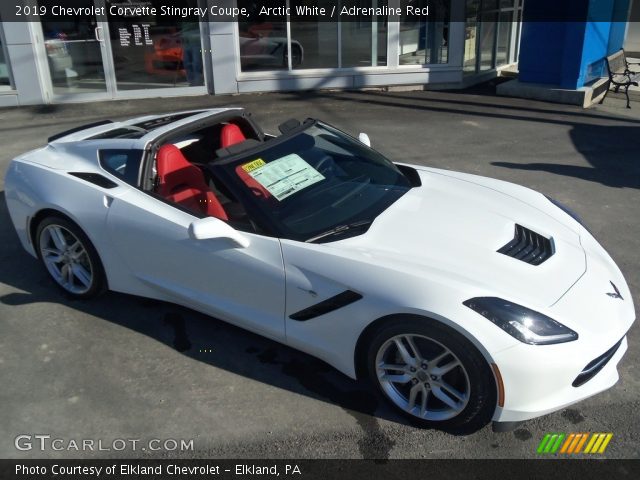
[329, 305]
[95, 178]
[528, 246]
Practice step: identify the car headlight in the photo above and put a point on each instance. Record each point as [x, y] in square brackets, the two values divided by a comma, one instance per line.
[520, 322]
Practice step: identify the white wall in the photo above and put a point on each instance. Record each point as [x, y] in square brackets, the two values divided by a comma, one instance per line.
[22, 53]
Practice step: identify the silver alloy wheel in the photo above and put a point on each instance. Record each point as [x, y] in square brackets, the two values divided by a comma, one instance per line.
[423, 377]
[66, 259]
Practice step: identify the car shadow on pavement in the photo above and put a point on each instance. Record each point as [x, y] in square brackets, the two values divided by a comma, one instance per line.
[610, 150]
[201, 338]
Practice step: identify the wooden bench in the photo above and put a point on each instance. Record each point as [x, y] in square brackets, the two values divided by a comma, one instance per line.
[620, 75]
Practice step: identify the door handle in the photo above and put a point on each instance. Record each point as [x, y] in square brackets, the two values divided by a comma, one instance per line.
[98, 34]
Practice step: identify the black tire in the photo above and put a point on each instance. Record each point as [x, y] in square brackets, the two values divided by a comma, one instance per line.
[88, 258]
[482, 394]
[296, 60]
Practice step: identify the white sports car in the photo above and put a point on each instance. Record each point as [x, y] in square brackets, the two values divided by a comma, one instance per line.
[463, 299]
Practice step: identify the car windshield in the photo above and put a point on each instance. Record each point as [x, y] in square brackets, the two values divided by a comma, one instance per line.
[317, 185]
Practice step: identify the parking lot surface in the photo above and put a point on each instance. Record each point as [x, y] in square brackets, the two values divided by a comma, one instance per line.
[126, 367]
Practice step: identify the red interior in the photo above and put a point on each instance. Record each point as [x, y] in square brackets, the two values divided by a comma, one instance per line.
[183, 183]
[230, 135]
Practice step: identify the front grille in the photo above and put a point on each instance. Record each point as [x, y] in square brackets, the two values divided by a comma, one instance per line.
[528, 246]
[595, 365]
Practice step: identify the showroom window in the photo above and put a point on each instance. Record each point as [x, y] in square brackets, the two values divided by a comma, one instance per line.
[317, 39]
[359, 42]
[263, 43]
[425, 41]
[95, 53]
[364, 41]
[5, 74]
[157, 51]
[492, 34]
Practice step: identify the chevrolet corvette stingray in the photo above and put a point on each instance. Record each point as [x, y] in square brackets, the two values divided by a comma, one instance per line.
[463, 299]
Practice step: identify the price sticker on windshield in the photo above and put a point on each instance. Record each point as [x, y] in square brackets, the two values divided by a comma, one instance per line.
[251, 166]
[285, 176]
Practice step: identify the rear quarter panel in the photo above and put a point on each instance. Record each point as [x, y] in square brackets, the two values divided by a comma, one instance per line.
[31, 188]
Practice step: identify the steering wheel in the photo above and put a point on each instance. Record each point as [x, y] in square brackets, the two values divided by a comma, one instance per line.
[326, 166]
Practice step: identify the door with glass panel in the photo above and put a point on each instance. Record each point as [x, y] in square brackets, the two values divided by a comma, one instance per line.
[117, 52]
[491, 34]
[155, 51]
[76, 51]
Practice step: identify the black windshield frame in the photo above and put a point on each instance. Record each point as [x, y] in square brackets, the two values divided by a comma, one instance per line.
[265, 218]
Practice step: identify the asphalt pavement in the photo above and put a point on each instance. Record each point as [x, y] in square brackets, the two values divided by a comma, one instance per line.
[122, 367]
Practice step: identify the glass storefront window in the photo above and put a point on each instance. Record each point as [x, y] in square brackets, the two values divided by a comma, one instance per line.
[364, 39]
[263, 42]
[425, 41]
[140, 53]
[488, 28]
[471, 35]
[314, 44]
[504, 37]
[317, 39]
[73, 50]
[5, 79]
[156, 51]
[489, 33]
[516, 47]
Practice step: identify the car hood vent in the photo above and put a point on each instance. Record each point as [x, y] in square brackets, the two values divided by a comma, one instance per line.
[528, 246]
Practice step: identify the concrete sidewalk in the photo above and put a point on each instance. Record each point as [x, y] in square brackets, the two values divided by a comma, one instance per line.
[123, 367]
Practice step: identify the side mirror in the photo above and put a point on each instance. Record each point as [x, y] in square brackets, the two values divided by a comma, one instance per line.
[364, 138]
[210, 227]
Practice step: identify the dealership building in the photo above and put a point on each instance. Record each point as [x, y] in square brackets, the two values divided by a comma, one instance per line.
[121, 49]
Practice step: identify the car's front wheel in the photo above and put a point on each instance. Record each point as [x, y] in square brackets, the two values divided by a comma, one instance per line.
[69, 257]
[432, 374]
[296, 59]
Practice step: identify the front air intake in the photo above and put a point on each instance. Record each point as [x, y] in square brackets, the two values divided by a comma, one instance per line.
[595, 365]
[528, 246]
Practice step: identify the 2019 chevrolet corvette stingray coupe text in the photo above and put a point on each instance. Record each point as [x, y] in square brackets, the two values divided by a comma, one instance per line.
[463, 299]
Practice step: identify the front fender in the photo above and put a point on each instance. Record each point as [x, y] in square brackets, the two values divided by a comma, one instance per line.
[317, 272]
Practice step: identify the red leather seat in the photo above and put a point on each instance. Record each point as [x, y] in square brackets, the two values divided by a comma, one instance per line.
[183, 183]
[230, 135]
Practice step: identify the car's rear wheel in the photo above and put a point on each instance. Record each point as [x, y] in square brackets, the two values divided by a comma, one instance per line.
[69, 257]
[432, 375]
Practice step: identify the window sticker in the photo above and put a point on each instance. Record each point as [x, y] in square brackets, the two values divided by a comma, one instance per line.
[285, 176]
[251, 166]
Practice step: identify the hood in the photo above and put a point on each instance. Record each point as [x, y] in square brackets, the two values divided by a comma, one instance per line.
[452, 228]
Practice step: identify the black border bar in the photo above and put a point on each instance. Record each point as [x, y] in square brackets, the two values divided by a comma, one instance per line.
[332, 11]
[321, 469]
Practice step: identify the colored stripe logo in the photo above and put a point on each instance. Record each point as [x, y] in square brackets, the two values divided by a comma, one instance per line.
[574, 443]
